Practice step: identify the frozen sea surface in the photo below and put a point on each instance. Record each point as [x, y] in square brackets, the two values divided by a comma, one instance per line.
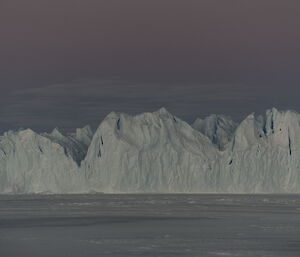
[149, 225]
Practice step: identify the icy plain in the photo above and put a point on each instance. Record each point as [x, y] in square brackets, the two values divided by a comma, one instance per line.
[170, 225]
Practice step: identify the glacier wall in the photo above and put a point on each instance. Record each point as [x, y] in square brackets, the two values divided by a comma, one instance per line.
[157, 152]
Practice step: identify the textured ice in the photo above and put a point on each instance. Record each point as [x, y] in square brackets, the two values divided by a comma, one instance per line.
[157, 152]
[218, 128]
[33, 163]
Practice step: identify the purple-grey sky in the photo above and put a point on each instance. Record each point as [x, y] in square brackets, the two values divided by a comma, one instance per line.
[66, 63]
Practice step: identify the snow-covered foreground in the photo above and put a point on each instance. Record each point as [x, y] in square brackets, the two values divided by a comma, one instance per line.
[150, 225]
[157, 152]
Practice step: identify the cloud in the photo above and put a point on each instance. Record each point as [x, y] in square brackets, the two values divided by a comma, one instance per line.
[77, 103]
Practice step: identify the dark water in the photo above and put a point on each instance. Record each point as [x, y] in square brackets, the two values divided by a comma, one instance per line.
[150, 225]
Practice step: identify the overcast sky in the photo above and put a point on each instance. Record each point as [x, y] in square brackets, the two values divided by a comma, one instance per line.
[66, 63]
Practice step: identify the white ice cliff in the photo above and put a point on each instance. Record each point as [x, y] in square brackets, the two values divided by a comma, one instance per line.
[33, 163]
[157, 152]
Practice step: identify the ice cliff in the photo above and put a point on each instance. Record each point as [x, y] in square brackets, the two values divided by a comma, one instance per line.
[157, 152]
[46, 163]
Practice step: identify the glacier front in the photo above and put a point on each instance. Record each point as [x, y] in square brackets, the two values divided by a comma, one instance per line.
[157, 153]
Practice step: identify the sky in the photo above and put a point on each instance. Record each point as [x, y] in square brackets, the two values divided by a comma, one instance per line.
[68, 63]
